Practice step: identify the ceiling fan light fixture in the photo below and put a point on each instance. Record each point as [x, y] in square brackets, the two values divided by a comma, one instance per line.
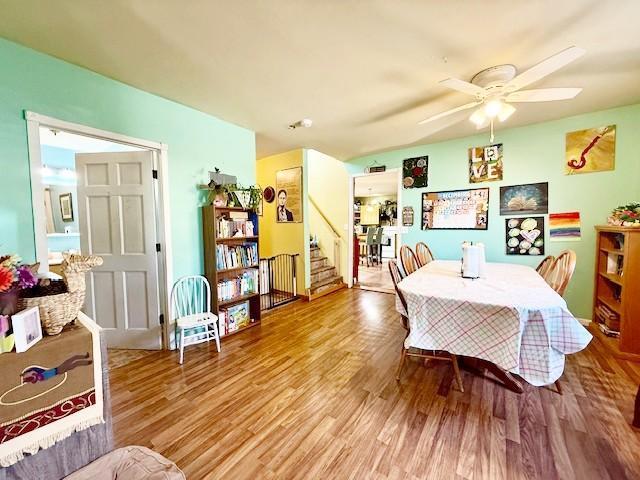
[493, 108]
[506, 111]
[478, 117]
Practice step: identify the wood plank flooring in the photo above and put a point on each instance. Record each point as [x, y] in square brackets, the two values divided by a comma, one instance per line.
[311, 394]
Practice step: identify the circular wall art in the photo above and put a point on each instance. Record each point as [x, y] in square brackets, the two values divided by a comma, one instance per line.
[525, 236]
[269, 194]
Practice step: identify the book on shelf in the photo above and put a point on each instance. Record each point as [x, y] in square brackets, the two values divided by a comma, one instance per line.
[234, 228]
[608, 331]
[245, 255]
[243, 284]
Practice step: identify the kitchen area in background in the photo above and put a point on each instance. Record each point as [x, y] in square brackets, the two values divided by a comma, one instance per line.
[376, 230]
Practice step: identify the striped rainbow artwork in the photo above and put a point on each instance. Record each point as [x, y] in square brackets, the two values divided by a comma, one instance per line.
[564, 227]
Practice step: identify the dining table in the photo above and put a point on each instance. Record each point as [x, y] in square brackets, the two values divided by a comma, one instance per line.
[509, 321]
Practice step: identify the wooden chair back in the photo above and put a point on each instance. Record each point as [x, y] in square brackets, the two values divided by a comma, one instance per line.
[378, 237]
[423, 254]
[408, 260]
[562, 271]
[396, 276]
[544, 267]
[371, 232]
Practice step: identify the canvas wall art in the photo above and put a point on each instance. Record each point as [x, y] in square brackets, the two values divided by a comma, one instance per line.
[485, 163]
[407, 216]
[456, 210]
[564, 227]
[528, 199]
[525, 236]
[415, 172]
[590, 150]
[289, 195]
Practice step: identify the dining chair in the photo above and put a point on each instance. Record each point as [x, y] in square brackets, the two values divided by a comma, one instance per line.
[408, 260]
[423, 254]
[561, 271]
[545, 265]
[558, 276]
[191, 311]
[371, 232]
[377, 242]
[405, 352]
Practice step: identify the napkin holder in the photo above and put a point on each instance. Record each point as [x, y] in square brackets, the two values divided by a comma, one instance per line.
[473, 260]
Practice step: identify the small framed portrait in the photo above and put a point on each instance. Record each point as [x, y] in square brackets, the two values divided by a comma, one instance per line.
[66, 207]
[27, 330]
[289, 195]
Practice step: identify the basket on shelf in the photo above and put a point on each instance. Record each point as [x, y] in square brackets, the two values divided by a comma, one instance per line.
[60, 309]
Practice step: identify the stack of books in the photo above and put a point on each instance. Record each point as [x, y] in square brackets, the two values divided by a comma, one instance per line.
[609, 320]
[230, 228]
[245, 255]
[233, 318]
[236, 287]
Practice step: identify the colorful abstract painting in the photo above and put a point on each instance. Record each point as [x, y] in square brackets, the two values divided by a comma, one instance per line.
[528, 199]
[525, 236]
[590, 150]
[485, 163]
[564, 227]
[415, 172]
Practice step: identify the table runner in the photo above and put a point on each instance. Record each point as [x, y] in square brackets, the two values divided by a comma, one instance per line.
[50, 391]
[511, 318]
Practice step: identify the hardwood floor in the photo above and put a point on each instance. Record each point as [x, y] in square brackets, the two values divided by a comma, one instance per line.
[375, 278]
[312, 394]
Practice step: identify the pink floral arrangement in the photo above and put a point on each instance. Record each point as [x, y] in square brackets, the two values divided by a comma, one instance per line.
[625, 215]
[15, 275]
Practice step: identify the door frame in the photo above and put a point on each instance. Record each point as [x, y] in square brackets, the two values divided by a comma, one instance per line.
[352, 179]
[161, 199]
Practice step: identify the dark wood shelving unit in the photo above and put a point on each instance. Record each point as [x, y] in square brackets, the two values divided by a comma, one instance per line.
[210, 216]
[617, 287]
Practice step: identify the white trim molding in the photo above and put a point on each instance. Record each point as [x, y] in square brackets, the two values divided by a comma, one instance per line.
[163, 217]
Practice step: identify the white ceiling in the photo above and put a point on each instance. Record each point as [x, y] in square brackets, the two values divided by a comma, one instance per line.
[364, 71]
[376, 185]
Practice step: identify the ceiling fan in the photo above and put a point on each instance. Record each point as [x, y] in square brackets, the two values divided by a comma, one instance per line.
[496, 88]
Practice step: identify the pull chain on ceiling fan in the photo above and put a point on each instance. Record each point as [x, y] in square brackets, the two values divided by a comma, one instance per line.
[496, 88]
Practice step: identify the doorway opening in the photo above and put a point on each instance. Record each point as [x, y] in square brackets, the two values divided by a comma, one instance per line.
[376, 204]
[101, 193]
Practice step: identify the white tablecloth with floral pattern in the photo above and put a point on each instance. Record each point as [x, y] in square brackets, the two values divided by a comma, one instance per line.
[511, 318]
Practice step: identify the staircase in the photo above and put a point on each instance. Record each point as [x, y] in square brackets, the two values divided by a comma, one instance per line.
[324, 277]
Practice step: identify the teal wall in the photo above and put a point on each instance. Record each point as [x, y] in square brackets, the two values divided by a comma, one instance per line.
[197, 142]
[531, 154]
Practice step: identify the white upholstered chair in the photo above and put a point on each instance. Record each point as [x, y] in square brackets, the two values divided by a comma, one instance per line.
[191, 311]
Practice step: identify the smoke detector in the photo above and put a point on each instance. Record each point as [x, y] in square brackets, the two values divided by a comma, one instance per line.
[304, 123]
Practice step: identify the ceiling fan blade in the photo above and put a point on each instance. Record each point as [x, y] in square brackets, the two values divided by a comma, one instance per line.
[543, 95]
[544, 68]
[449, 112]
[464, 87]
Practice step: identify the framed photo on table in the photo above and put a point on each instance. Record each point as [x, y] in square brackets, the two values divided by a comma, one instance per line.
[27, 330]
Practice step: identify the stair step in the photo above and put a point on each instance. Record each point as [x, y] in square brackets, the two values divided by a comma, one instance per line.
[326, 281]
[320, 268]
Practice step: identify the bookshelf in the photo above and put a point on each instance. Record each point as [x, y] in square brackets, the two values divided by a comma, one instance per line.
[231, 264]
[616, 298]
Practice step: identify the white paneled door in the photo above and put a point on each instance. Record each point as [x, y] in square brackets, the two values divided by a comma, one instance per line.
[117, 222]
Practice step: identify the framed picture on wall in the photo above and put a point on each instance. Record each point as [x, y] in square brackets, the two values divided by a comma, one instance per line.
[527, 199]
[415, 172]
[289, 195]
[525, 236]
[66, 207]
[456, 210]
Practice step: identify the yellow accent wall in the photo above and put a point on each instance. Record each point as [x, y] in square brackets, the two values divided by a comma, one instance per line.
[329, 188]
[277, 238]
